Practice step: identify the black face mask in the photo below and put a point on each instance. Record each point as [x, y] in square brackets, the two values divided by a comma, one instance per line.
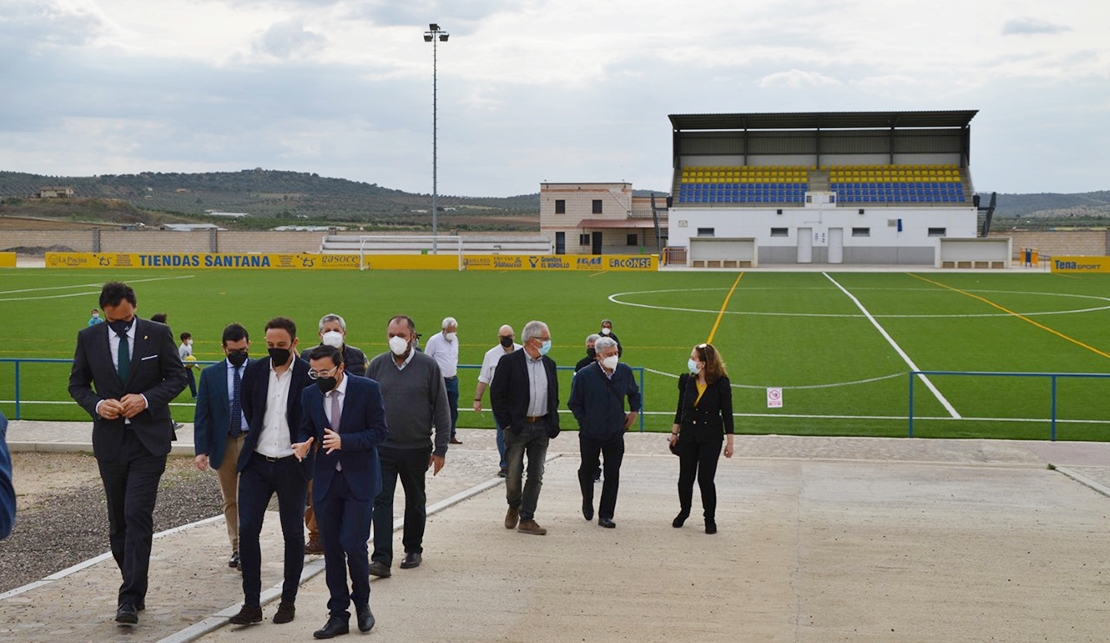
[507, 341]
[591, 353]
[119, 326]
[237, 359]
[325, 384]
[280, 356]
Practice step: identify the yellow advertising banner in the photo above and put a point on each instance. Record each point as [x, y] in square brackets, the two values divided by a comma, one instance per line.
[201, 260]
[561, 262]
[7, 260]
[1080, 264]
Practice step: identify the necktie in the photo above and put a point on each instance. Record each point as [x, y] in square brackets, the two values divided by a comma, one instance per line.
[335, 415]
[123, 357]
[235, 420]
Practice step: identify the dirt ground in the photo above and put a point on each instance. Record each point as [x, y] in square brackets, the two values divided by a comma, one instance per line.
[39, 476]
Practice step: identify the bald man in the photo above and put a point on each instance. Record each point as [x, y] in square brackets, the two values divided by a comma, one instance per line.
[504, 346]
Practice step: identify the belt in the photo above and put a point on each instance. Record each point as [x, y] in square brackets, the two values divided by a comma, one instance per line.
[453, 377]
[532, 419]
[270, 459]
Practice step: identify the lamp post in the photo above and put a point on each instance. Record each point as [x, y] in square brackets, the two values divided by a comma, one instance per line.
[434, 35]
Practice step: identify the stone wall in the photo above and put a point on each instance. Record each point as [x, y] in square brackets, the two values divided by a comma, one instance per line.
[1058, 243]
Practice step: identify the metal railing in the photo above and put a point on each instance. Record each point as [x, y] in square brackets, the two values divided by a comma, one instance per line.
[19, 361]
[1052, 376]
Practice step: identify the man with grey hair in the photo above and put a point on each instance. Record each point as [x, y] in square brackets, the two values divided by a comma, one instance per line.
[415, 400]
[597, 397]
[525, 399]
[333, 332]
[444, 348]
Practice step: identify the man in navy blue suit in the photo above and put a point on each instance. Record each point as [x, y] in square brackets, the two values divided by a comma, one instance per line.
[7, 492]
[267, 466]
[345, 415]
[219, 426]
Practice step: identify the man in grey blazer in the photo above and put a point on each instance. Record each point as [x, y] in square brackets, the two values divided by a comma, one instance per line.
[125, 373]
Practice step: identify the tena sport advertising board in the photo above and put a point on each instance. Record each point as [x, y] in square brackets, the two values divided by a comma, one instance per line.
[560, 262]
[201, 260]
[1080, 264]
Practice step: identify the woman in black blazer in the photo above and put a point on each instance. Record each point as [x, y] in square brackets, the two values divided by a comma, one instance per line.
[702, 421]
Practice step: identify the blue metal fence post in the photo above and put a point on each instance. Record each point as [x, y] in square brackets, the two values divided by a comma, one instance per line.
[1053, 408]
[643, 396]
[17, 389]
[911, 404]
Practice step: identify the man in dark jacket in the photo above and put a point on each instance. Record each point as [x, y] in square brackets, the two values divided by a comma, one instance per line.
[525, 399]
[597, 397]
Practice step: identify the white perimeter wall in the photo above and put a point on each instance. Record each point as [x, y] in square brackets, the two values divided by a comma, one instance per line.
[884, 244]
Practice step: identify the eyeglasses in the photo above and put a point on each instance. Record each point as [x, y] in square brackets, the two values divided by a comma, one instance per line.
[315, 375]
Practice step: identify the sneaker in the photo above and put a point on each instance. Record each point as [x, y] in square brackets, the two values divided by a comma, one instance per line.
[531, 527]
[512, 516]
[285, 612]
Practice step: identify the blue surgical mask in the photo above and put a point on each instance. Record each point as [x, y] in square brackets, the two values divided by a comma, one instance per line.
[545, 347]
[692, 365]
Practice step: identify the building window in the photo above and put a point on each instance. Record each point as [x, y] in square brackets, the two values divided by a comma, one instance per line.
[938, 232]
[705, 232]
[861, 232]
[560, 206]
[633, 239]
[780, 232]
[584, 239]
[597, 206]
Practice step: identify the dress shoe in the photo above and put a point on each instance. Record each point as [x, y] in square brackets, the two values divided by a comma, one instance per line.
[285, 613]
[140, 606]
[503, 472]
[127, 614]
[412, 559]
[710, 527]
[512, 516]
[380, 569]
[531, 527]
[365, 619]
[597, 475]
[455, 440]
[606, 522]
[680, 519]
[313, 546]
[335, 626]
[249, 615]
[234, 560]
[587, 510]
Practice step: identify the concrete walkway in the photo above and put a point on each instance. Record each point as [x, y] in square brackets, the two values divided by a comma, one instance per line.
[821, 539]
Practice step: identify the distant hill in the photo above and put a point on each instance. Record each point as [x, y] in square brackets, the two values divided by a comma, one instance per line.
[271, 197]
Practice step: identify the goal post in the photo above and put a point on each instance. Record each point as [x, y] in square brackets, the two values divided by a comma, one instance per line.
[369, 245]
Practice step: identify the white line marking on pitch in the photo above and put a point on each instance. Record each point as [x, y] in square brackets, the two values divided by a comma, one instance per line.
[805, 386]
[78, 294]
[898, 349]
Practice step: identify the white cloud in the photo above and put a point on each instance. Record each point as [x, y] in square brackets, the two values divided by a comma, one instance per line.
[283, 39]
[1023, 26]
[798, 79]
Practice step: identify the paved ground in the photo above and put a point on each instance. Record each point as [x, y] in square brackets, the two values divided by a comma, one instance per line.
[821, 539]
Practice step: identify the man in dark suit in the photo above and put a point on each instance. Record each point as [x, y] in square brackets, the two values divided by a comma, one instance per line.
[7, 491]
[525, 399]
[125, 373]
[267, 465]
[345, 415]
[219, 426]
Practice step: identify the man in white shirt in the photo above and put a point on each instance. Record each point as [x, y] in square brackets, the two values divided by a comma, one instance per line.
[444, 347]
[271, 396]
[505, 345]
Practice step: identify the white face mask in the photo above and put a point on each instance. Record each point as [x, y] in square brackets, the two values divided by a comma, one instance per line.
[605, 331]
[450, 336]
[332, 338]
[610, 362]
[188, 342]
[399, 345]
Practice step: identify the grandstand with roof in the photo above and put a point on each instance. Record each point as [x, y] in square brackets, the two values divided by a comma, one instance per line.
[824, 188]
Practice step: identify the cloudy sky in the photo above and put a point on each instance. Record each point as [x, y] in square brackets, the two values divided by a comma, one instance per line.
[533, 90]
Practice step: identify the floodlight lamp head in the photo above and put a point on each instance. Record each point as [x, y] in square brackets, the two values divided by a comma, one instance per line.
[427, 37]
[443, 37]
[433, 27]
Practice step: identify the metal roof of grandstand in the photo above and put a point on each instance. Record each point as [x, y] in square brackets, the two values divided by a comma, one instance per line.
[823, 120]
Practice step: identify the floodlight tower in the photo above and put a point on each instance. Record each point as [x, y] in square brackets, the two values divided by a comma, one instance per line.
[435, 35]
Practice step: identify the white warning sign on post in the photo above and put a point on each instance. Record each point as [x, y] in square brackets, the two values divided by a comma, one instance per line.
[774, 398]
